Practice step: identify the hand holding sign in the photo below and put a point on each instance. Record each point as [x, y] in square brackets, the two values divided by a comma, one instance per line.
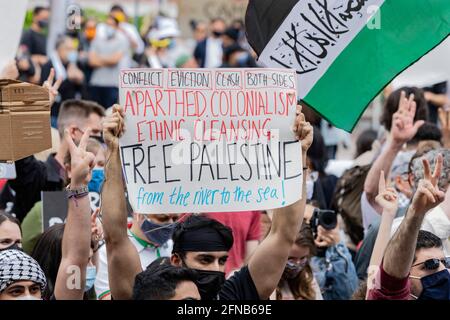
[82, 162]
[113, 127]
[209, 140]
[303, 130]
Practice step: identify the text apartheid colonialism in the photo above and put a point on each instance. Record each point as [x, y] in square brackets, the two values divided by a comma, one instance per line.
[242, 108]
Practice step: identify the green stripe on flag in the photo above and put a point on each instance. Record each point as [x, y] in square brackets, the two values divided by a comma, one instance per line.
[409, 29]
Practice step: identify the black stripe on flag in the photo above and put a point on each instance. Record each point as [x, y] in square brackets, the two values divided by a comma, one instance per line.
[263, 18]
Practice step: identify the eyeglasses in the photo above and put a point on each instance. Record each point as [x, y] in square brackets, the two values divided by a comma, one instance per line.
[433, 264]
[297, 263]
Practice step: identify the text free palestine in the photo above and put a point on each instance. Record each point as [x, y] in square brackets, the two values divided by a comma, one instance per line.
[245, 162]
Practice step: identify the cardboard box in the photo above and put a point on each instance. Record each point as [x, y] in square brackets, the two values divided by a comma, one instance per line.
[24, 120]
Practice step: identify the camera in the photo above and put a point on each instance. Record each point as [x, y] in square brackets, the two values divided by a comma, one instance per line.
[325, 218]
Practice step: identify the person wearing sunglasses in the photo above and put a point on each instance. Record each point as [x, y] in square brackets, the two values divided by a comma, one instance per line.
[414, 265]
[430, 270]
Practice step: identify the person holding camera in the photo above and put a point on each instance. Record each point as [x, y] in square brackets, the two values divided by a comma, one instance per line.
[332, 265]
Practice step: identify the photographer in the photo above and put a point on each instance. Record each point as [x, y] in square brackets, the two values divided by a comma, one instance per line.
[333, 267]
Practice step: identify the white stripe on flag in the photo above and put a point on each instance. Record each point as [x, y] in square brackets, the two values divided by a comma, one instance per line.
[314, 34]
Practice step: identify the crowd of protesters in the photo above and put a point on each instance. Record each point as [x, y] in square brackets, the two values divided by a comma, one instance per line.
[378, 231]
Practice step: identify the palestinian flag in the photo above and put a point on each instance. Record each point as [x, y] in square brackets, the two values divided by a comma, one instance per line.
[345, 51]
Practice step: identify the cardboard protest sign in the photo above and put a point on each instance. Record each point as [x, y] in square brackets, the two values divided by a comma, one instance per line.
[55, 206]
[24, 120]
[209, 140]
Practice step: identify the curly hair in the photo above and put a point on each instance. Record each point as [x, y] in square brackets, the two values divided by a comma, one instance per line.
[431, 156]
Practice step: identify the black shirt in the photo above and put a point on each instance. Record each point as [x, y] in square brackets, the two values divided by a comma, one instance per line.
[35, 42]
[239, 287]
[67, 90]
[34, 176]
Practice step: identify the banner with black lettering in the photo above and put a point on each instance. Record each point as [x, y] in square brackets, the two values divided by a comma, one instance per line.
[209, 140]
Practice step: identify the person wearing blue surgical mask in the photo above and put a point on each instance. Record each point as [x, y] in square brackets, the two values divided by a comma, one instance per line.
[47, 253]
[151, 235]
[91, 273]
[98, 174]
[64, 63]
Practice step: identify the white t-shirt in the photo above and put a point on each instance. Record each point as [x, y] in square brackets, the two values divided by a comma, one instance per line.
[129, 29]
[146, 254]
[133, 33]
[369, 214]
[436, 222]
[214, 53]
[108, 76]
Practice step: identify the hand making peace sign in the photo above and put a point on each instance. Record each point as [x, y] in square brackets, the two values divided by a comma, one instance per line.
[52, 86]
[82, 162]
[387, 197]
[428, 194]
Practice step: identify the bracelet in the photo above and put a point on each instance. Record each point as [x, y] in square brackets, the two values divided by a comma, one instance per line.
[77, 193]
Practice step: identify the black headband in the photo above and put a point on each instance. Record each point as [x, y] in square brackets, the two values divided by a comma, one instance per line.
[205, 239]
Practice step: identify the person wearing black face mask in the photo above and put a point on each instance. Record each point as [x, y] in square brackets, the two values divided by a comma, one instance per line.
[200, 243]
[162, 281]
[414, 265]
[298, 281]
[209, 52]
[10, 232]
[237, 57]
[35, 38]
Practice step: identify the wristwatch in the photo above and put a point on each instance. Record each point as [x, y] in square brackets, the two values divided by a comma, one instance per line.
[77, 193]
